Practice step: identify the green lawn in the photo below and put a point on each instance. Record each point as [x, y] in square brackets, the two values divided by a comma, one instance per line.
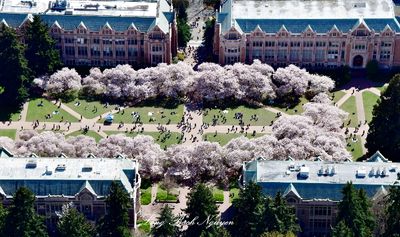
[382, 88]
[163, 139]
[11, 133]
[233, 194]
[90, 109]
[144, 226]
[369, 100]
[224, 138]
[350, 107]
[264, 117]
[337, 95]
[355, 148]
[145, 196]
[36, 112]
[153, 115]
[90, 133]
[297, 109]
[218, 195]
[162, 195]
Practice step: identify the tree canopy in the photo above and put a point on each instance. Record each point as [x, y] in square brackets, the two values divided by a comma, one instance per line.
[42, 56]
[73, 224]
[166, 224]
[392, 213]
[115, 222]
[384, 129]
[22, 220]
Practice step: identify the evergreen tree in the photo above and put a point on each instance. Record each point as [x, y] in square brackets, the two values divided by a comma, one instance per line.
[277, 234]
[115, 222]
[183, 32]
[249, 211]
[42, 56]
[342, 230]
[3, 215]
[285, 215]
[22, 221]
[15, 72]
[351, 212]
[166, 224]
[392, 213]
[208, 38]
[201, 210]
[74, 224]
[384, 129]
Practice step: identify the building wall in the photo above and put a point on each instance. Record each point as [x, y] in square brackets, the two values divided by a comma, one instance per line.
[310, 49]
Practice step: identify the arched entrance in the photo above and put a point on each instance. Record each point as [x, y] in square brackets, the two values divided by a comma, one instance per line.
[358, 61]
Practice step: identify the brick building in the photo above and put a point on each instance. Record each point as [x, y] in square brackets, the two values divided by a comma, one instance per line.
[313, 33]
[61, 180]
[102, 33]
[314, 187]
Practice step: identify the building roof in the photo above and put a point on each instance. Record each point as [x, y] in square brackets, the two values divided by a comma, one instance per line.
[162, 16]
[314, 9]
[65, 176]
[319, 179]
[318, 25]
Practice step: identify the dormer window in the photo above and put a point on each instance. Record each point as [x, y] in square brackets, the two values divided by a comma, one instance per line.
[361, 33]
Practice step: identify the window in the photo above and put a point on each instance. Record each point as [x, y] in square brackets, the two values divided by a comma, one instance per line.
[96, 41]
[70, 50]
[269, 54]
[307, 55]
[282, 44]
[334, 44]
[120, 41]
[120, 52]
[81, 40]
[132, 52]
[232, 50]
[361, 33]
[257, 44]
[269, 43]
[107, 51]
[156, 59]
[386, 44]
[333, 54]
[308, 44]
[385, 55]
[282, 54]
[359, 47]
[294, 55]
[95, 51]
[320, 44]
[257, 54]
[69, 40]
[107, 40]
[295, 44]
[320, 55]
[86, 210]
[232, 36]
[231, 59]
[132, 41]
[156, 48]
[82, 51]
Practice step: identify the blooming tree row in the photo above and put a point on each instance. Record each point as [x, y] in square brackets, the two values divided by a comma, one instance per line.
[211, 82]
[314, 133]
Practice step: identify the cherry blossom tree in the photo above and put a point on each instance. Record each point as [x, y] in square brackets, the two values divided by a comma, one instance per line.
[64, 82]
[7, 143]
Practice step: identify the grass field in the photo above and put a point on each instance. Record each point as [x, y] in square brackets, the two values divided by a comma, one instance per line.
[11, 133]
[355, 148]
[90, 109]
[264, 116]
[297, 109]
[152, 115]
[233, 194]
[36, 112]
[144, 226]
[218, 195]
[350, 107]
[163, 196]
[145, 196]
[164, 140]
[337, 95]
[224, 138]
[369, 100]
[93, 134]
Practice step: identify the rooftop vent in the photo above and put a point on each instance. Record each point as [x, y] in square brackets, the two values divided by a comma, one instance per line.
[31, 164]
[359, 5]
[48, 172]
[392, 168]
[87, 168]
[60, 167]
[304, 172]
[333, 170]
[321, 171]
[361, 173]
[384, 172]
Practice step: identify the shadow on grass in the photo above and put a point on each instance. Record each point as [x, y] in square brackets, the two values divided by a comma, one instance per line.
[7, 112]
